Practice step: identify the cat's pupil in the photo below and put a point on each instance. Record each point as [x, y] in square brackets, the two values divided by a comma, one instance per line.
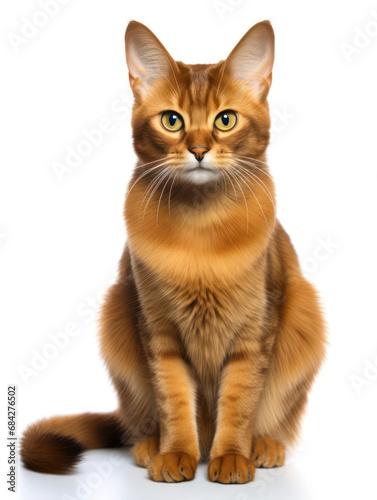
[172, 120]
[225, 119]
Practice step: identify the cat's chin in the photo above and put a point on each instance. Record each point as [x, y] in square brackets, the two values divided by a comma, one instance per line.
[200, 174]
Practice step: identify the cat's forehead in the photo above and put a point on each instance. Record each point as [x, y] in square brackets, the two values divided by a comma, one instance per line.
[199, 86]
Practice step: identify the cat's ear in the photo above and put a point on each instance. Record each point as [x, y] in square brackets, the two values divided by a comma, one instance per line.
[252, 59]
[147, 59]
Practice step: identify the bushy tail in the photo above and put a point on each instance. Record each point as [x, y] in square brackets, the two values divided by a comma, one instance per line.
[56, 445]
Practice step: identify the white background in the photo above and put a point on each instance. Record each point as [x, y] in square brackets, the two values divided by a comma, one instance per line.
[60, 240]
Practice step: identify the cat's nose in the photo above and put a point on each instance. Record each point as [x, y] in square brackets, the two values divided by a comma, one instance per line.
[199, 152]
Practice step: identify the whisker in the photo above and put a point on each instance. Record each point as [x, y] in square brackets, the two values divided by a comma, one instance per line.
[255, 166]
[260, 182]
[244, 198]
[269, 196]
[152, 184]
[224, 180]
[245, 181]
[154, 161]
[170, 191]
[263, 186]
[164, 173]
[234, 189]
[162, 192]
[254, 159]
[142, 175]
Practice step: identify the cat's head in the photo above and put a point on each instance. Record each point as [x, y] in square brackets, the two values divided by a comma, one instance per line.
[202, 123]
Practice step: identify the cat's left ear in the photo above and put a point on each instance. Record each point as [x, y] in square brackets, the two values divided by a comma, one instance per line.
[252, 59]
[147, 59]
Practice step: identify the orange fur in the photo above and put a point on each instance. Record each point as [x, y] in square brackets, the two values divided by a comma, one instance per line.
[211, 334]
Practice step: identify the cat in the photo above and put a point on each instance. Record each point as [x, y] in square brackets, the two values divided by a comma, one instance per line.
[211, 334]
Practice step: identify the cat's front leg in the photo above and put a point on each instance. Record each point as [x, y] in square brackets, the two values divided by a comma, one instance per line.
[241, 382]
[175, 389]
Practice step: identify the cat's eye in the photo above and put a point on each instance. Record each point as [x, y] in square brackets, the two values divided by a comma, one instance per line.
[225, 120]
[172, 121]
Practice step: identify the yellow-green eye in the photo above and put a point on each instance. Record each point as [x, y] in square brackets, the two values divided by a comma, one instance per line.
[225, 120]
[172, 121]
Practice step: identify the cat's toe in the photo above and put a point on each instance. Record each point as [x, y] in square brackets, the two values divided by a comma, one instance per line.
[231, 469]
[145, 450]
[268, 453]
[172, 467]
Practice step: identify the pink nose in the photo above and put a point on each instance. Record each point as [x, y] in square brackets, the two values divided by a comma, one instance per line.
[199, 152]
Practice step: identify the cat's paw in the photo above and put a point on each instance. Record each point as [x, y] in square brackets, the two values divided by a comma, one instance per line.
[231, 469]
[172, 467]
[268, 453]
[145, 450]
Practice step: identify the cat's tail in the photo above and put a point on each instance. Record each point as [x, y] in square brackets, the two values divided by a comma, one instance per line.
[55, 445]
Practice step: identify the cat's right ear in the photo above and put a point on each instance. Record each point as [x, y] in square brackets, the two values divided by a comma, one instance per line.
[252, 59]
[147, 59]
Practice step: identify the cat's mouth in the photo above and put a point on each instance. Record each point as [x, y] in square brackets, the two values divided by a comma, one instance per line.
[198, 167]
[200, 172]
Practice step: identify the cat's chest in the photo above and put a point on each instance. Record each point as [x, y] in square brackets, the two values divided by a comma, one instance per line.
[207, 321]
[209, 313]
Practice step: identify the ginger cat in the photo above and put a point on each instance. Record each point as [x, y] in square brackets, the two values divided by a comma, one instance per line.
[211, 335]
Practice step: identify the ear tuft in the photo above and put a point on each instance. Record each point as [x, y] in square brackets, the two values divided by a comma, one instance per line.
[147, 59]
[252, 58]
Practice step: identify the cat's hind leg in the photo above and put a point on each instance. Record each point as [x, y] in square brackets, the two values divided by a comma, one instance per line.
[267, 453]
[124, 355]
[296, 358]
[145, 450]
